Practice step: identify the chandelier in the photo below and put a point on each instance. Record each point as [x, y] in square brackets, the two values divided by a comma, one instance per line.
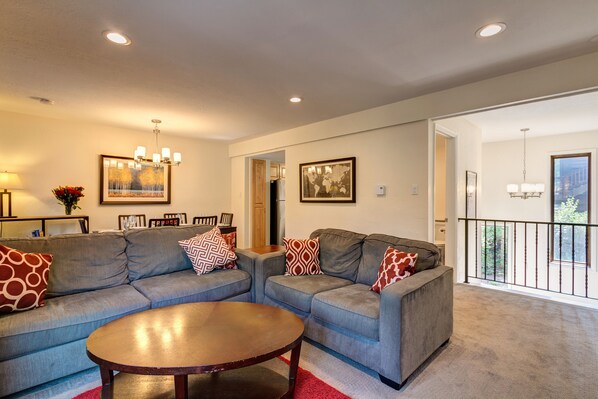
[158, 158]
[528, 190]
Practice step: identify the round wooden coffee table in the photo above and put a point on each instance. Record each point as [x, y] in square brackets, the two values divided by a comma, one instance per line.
[197, 341]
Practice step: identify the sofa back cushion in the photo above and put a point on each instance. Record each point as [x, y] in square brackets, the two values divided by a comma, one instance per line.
[375, 245]
[156, 250]
[340, 252]
[81, 262]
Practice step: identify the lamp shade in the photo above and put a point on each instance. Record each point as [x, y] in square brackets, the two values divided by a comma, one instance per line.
[10, 180]
[512, 188]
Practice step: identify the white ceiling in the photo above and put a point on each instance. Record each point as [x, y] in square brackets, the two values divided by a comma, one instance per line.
[572, 114]
[224, 69]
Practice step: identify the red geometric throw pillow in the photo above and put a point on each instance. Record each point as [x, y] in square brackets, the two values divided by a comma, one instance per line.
[23, 279]
[231, 240]
[207, 251]
[395, 266]
[302, 256]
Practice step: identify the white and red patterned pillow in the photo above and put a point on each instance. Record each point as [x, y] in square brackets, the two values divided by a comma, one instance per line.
[231, 241]
[302, 256]
[395, 266]
[207, 251]
[23, 279]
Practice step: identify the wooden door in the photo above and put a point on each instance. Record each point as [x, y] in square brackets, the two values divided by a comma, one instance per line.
[258, 203]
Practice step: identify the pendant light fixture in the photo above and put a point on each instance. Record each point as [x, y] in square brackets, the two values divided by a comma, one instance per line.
[528, 190]
[161, 157]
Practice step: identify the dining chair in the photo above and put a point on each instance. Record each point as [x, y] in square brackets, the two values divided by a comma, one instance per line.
[180, 215]
[211, 220]
[226, 219]
[139, 221]
[164, 222]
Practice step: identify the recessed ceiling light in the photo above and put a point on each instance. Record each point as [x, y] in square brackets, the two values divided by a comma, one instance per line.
[116, 37]
[42, 100]
[491, 29]
[295, 99]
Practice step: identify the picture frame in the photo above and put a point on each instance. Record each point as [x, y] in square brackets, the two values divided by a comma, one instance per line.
[471, 194]
[331, 181]
[124, 182]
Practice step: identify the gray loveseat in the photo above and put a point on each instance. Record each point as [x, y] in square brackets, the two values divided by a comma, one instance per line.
[96, 278]
[392, 333]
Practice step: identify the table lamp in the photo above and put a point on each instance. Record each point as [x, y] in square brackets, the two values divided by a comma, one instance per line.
[8, 180]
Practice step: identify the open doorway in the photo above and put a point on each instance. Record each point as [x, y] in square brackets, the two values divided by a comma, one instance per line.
[268, 172]
[444, 192]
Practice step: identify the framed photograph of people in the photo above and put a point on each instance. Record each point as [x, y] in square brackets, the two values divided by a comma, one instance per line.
[328, 181]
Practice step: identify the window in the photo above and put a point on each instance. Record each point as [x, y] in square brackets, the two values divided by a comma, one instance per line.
[570, 204]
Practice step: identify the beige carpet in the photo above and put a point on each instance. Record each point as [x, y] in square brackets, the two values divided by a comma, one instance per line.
[504, 346]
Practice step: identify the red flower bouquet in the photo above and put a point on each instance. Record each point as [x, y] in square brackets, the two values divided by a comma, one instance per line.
[69, 197]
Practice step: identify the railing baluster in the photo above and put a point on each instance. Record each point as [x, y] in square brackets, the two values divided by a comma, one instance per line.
[525, 254]
[549, 233]
[560, 257]
[504, 255]
[573, 260]
[515, 253]
[467, 251]
[587, 258]
[476, 248]
[485, 249]
[536, 255]
[494, 250]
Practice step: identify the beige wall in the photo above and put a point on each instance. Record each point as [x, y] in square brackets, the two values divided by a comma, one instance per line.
[49, 152]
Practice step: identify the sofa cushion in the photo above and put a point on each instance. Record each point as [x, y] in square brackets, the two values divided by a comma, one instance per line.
[186, 286]
[81, 262]
[302, 256]
[353, 308]
[396, 265]
[65, 319]
[298, 291]
[156, 251]
[374, 247]
[23, 279]
[340, 252]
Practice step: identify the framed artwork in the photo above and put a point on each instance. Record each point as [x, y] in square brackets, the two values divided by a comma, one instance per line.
[124, 182]
[471, 190]
[327, 181]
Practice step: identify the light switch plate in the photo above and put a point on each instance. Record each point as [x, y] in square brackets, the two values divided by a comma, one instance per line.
[380, 190]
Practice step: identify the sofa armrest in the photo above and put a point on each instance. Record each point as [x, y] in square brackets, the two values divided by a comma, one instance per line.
[416, 318]
[246, 261]
[266, 265]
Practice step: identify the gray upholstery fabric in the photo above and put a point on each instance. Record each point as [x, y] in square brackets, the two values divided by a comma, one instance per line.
[298, 291]
[416, 317]
[246, 262]
[353, 346]
[340, 252]
[354, 308]
[374, 246]
[271, 302]
[270, 264]
[102, 255]
[43, 366]
[65, 319]
[186, 286]
[156, 250]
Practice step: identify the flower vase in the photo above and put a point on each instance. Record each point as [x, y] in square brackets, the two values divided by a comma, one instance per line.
[68, 209]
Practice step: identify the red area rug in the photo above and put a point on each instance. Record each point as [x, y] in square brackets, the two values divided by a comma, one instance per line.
[308, 387]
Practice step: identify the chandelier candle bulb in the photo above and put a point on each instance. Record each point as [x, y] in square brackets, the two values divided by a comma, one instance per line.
[177, 157]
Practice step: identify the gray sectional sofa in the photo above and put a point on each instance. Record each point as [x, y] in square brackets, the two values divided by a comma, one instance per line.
[96, 278]
[392, 333]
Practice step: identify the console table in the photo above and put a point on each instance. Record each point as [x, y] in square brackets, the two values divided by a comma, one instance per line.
[83, 221]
